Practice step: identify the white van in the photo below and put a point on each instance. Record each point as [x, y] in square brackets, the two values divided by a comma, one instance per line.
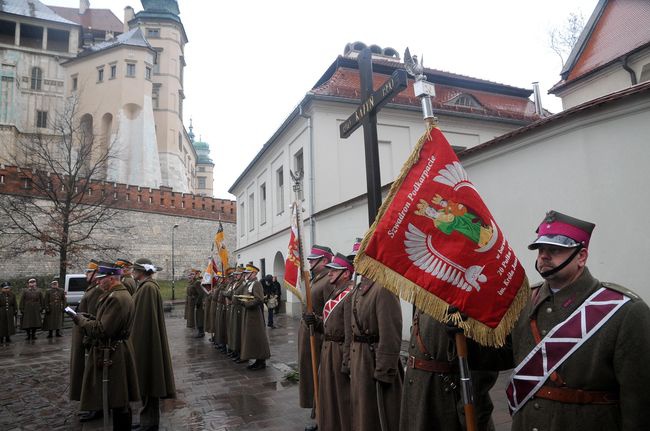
[75, 286]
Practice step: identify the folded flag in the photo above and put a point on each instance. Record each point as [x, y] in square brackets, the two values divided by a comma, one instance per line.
[292, 264]
[435, 244]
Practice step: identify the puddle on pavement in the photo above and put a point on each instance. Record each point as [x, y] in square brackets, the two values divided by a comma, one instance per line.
[278, 386]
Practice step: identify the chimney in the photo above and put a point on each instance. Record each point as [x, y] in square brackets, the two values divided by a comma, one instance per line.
[537, 98]
[84, 5]
[129, 14]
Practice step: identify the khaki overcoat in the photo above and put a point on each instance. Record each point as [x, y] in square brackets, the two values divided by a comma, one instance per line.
[434, 400]
[129, 282]
[221, 325]
[78, 344]
[190, 304]
[235, 321]
[374, 312]
[615, 359]
[321, 289]
[199, 313]
[150, 344]
[254, 342]
[31, 305]
[335, 407]
[8, 312]
[207, 311]
[54, 304]
[110, 329]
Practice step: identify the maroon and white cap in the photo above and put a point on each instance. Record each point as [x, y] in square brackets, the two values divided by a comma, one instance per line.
[563, 231]
[319, 252]
[340, 262]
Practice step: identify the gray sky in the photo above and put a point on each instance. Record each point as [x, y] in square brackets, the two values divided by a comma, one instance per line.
[249, 63]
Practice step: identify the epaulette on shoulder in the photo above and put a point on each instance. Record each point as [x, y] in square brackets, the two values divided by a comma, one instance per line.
[536, 285]
[620, 289]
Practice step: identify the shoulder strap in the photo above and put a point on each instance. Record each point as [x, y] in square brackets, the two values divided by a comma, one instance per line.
[620, 289]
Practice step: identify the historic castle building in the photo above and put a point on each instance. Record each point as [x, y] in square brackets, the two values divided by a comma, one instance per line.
[127, 79]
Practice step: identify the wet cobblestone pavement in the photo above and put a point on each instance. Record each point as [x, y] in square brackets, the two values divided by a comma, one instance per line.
[213, 393]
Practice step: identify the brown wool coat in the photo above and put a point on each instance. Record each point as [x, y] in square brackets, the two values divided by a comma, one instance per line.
[433, 400]
[221, 323]
[31, 305]
[8, 312]
[212, 313]
[335, 407]
[374, 311]
[235, 320]
[54, 304]
[614, 359]
[320, 292]
[78, 347]
[113, 323]
[254, 342]
[199, 312]
[130, 284]
[150, 345]
[190, 305]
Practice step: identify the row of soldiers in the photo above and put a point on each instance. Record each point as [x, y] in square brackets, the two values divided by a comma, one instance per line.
[38, 310]
[230, 308]
[119, 349]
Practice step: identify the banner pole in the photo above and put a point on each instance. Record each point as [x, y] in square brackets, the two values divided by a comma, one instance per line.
[466, 382]
[297, 188]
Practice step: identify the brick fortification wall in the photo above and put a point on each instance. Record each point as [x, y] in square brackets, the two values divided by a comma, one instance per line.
[152, 213]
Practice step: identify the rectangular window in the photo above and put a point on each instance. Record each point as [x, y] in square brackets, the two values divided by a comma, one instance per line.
[251, 211]
[155, 96]
[147, 73]
[130, 70]
[156, 60]
[113, 71]
[100, 75]
[75, 83]
[279, 190]
[298, 163]
[263, 204]
[41, 119]
[241, 217]
[153, 32]
[201, 182]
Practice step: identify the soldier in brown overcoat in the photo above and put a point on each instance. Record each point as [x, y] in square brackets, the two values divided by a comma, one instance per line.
[235, 321]
[54, 302]
[431, 398]
[31, 306]
[221, 337]
[199, 314]
[334, 409]
[321, 289]
[150, 345]
[254, 342]
[127, 275]
[190, 299]
[108, 337]
[8, 312]
[79, 344]
[602, 383]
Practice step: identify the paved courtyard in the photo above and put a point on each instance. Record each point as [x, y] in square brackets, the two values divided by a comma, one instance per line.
[213, 393]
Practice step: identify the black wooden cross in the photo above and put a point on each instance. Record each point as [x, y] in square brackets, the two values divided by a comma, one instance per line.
[366, 116]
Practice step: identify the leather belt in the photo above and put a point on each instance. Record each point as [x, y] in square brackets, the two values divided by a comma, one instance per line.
[365, 338]
[429, 365]
[334, 338]
[576, 396]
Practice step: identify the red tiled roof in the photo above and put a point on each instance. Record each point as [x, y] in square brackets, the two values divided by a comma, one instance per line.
[97, 19]
[345, 82]
[623, 27]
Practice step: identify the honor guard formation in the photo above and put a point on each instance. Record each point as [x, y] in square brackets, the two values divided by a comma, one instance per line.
[579, 348]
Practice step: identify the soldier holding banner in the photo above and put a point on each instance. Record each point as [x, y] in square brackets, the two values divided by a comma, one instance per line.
[582, 345]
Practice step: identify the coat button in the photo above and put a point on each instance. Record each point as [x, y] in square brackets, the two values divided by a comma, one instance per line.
[536, 406]
[549, 310]
[413, 346]
[534, 429]
[544, 331]
[410, 381]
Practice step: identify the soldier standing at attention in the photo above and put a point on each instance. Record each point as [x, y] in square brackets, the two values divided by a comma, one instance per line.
[127, 277]
[54, 304]
[254, 342]
[8, 312]
[199, 313]
[234, 340]
[79, 344]
[110, 360]
[597, 377]
[31, 306]
[221, 337]
[335, 407]
[190, 301]
[150, 346]
[321, 289]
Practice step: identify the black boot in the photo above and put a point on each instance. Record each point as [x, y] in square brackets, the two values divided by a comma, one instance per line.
[58, 333]
[122, 419]
[49, 335]
[33, 334]
[259, 364]
[8, 340]
[29, 334]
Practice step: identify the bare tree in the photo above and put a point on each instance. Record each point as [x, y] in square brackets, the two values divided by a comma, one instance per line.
[562, 40]
[66, 209]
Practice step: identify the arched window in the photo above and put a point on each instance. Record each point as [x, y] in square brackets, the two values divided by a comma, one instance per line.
[37, 78]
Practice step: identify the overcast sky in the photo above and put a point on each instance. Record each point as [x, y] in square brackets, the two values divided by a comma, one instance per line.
[249, 63]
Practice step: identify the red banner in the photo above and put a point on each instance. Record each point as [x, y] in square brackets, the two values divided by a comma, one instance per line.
[435, 244]
[292, 264]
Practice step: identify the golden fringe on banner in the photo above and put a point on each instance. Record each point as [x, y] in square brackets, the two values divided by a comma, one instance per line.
[294, 290]
[424, 300]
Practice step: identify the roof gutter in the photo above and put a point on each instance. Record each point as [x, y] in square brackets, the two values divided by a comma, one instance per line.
[626, 66]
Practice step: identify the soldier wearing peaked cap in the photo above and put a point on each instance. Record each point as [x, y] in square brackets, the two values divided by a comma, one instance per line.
[597, 376]
[109, 380]
[150, 345]
[8, 312]
[254, 342]
[235, 319]
[193, 284]
[54, 303]
[31, 305]
[221, 319]
[127, 276]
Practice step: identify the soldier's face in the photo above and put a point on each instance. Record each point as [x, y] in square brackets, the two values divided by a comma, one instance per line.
[32, 283]
[551, 256]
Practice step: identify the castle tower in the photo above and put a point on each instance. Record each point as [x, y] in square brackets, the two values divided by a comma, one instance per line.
[164, 31]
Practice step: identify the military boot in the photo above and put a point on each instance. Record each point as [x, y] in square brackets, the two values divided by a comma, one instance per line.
[49, 335]
[58, 333]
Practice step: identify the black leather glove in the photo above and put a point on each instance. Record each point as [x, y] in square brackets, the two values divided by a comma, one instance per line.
[451, 328]
[309, 318]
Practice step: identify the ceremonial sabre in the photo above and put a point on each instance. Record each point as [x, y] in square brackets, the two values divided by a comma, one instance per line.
[106, 362]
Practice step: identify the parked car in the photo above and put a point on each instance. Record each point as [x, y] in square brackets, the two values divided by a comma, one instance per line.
[75, 286]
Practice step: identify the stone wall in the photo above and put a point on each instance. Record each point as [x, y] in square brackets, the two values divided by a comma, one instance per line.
[150, 236]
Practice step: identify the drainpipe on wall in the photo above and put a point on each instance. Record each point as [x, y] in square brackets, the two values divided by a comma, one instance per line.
[312, 220]
[628, 69]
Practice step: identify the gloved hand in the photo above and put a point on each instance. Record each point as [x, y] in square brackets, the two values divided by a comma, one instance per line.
[451, 328]
[309, 318]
